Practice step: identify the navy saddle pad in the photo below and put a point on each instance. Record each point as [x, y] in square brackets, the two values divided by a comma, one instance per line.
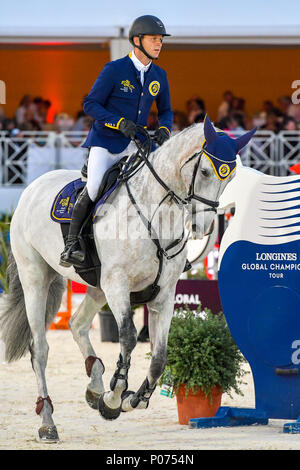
[62, 207]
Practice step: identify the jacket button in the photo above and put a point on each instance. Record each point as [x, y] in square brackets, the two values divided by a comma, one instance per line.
[142, 94]
[140, 111]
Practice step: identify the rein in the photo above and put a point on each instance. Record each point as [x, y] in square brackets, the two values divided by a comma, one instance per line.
[139, 160]
[143, 155]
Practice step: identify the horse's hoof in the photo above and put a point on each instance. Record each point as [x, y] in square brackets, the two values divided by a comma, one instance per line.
[126, 401]
[92, 399]
[48, 434]
[106, 412]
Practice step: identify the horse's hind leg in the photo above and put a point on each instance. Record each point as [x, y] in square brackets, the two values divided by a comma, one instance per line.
[36, 277]
[80, 324]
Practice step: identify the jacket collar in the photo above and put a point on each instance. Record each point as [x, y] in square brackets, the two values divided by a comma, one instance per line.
[138, 64]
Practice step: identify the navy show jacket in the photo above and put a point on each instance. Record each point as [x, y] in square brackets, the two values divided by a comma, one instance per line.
[117, 94]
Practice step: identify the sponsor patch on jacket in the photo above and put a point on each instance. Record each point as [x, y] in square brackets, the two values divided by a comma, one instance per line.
[154, 88]
[127, 86]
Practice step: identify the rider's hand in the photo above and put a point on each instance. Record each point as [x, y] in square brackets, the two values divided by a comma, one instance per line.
[128, 128]
[161, 135]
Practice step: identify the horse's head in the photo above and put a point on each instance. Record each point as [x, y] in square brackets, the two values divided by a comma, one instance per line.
[207, 172]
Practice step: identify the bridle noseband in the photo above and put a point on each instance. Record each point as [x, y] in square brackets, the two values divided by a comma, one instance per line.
[191, 193]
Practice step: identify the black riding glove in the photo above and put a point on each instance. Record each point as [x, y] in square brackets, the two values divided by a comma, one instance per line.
[161, 135]
[128, 128]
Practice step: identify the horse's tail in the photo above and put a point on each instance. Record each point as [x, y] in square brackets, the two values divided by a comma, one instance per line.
[14, 327]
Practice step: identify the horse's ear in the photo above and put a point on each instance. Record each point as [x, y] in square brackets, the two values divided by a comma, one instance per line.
[243, 140]
[209, 131]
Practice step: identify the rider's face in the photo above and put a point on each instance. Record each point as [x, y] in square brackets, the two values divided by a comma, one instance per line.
[152, 44]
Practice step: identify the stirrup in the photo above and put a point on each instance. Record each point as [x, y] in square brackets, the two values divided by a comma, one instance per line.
[71, 256]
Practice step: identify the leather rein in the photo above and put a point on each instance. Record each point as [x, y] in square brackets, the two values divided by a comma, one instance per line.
[140, 159]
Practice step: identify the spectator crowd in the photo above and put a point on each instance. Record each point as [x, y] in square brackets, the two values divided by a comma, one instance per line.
[32, 115]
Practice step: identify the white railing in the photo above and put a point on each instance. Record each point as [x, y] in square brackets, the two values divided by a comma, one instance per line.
[15, 153]
[267, 152]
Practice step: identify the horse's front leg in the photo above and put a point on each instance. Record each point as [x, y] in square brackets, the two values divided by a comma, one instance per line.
[160, 316]
[80, 325]
[118, 298]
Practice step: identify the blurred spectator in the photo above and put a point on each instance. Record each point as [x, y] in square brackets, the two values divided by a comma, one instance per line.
[44, 109]
[35, 113]
[80, 117]
[224, 123]
[79, 124]
[291, 142]
[284, 103]
[21, 115]
[225, 106]
[289, 124]
[237, 122]
[195, 106]
[294, 112]
[269, 108]
[237, 107]
[271, 123]
[180, 121]
[63, 122]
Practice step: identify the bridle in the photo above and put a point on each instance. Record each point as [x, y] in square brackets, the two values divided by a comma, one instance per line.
[143, 153]
[135, 163]
[212, 205]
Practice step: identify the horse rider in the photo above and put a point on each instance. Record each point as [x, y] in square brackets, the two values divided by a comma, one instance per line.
[120, 99]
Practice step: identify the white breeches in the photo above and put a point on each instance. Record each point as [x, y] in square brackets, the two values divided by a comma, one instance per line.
[100, 160]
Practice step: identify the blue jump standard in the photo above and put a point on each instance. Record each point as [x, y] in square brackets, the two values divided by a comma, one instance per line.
[292, 428]
[227, 416]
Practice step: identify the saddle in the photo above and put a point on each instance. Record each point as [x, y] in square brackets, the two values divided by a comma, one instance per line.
[61, 212]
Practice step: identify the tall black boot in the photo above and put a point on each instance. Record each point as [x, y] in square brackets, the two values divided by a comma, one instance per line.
[73, 254]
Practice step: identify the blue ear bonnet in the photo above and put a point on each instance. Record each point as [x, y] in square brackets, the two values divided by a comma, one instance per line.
[221, 150]
[222, 155]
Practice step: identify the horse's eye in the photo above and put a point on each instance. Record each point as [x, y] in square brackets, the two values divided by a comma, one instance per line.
[204, 172]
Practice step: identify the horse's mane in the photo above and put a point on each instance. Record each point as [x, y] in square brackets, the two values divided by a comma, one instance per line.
[182, 144]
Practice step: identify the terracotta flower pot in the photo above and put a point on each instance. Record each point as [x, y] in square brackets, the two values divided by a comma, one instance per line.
[198, 405]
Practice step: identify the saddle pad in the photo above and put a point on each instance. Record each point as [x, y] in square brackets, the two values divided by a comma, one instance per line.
[63, 204]
[62, 207]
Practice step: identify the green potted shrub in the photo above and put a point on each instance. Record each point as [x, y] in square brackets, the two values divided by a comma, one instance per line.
[203, 362]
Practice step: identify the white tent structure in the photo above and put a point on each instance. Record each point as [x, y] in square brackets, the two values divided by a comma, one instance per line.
[196, 21]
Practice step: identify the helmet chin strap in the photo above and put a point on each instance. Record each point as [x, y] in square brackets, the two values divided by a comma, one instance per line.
[141, 48]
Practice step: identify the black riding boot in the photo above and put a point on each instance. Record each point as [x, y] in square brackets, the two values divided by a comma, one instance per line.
[73, 254]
